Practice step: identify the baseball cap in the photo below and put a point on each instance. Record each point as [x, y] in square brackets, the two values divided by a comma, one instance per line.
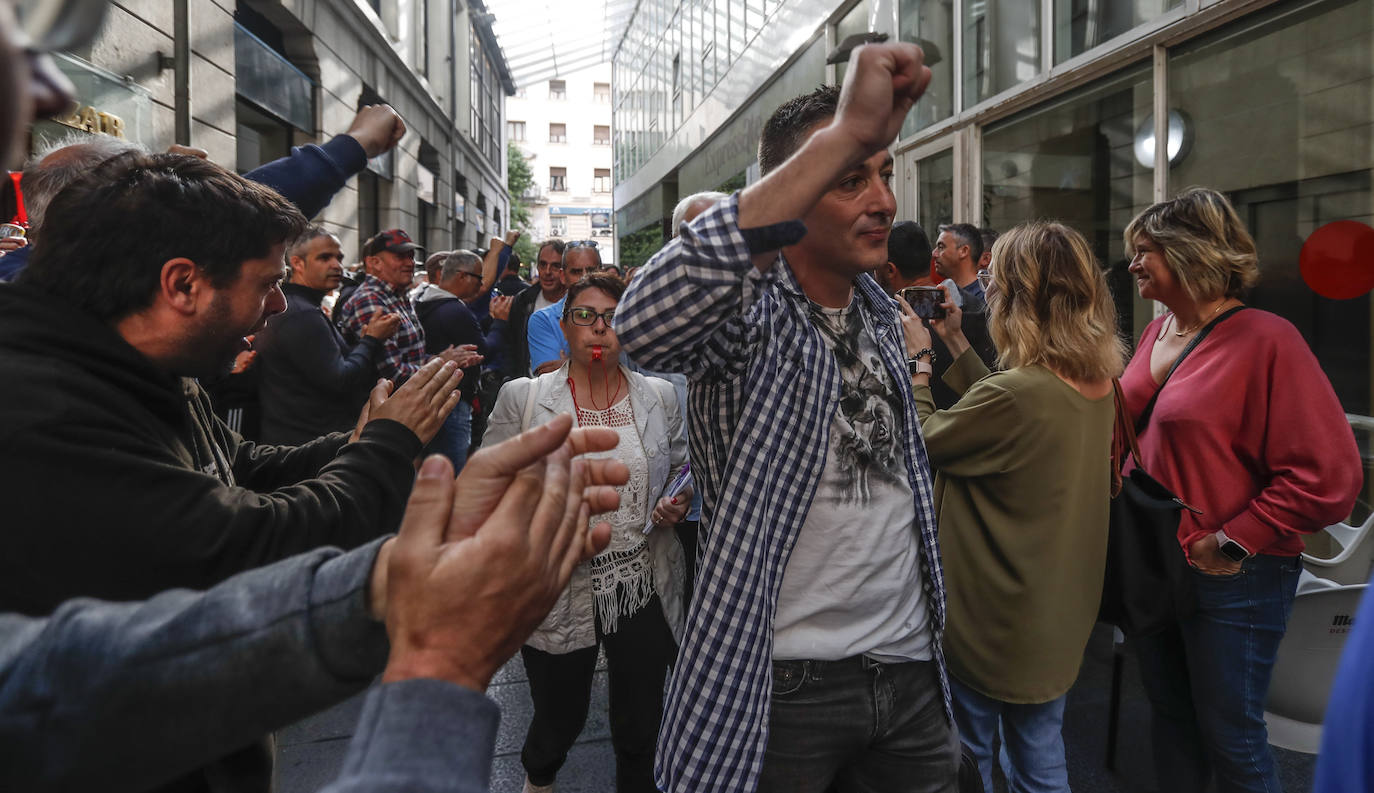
[394, 240]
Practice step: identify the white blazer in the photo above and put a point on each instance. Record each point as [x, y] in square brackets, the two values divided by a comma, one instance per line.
[571, 624]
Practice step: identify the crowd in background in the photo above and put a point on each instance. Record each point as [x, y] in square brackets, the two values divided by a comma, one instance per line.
[832, 499]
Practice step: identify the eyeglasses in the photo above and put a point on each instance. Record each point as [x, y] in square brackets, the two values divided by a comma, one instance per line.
[586, 317]
[985, 277]
[580, 244]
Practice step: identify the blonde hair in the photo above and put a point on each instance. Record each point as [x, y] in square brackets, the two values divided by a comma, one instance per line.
[1203, 241]
[1050, 305]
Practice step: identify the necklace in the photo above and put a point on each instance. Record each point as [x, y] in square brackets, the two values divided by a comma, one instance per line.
[1198, 326]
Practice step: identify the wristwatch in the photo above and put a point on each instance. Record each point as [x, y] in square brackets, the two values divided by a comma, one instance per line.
[915, 365]
[1231, 549]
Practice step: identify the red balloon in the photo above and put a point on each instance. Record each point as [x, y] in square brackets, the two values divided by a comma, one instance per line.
[1337, 260]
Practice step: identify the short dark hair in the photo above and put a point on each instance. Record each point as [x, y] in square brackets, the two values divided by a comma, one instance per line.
[610, 284]
[989, 236]
[551, 242]
[969, 235]
[908, 248]
[107, 235]
[302, 241]
[787, 127]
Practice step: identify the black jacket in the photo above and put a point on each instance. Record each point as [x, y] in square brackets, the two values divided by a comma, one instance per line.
[118, 481]
[517, 357]
[311, 382]
[975, 327]
[448, 321]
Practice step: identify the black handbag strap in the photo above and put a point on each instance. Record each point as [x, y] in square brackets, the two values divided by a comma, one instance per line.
[1202, 334]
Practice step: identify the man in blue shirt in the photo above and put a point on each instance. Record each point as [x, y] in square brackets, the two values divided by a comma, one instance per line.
[548, 347]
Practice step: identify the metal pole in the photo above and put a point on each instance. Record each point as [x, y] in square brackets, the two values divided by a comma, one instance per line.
[181, 65]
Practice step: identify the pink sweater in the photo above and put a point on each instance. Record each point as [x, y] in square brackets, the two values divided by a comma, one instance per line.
[1249, 431]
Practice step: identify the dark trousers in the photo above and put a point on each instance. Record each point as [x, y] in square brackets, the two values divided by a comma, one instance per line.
[1207, 679]
[857, 726]
[638, 655]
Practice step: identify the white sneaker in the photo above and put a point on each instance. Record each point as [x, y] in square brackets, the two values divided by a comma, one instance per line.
[533, 788]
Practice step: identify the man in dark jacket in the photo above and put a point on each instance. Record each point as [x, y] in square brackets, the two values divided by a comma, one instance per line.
[311, 382]
[100, 342]
[449, 322]
[548, 291]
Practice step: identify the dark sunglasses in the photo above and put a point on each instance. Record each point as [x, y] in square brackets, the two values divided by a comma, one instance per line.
[581, 244]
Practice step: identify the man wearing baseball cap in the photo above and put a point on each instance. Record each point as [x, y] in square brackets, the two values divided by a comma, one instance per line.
[390, 262]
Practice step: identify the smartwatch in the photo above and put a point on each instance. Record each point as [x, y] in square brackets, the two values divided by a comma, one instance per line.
[1231, 549]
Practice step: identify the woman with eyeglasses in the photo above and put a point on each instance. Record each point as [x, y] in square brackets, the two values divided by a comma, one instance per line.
[1021, 493]
[629, 599]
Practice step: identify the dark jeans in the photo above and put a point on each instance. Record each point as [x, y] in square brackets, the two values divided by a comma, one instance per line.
[1207, 679]
[858, 725]
[638, 655]
[453, 437]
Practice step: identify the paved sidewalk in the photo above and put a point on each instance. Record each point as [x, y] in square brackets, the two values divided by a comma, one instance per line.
[309, 753]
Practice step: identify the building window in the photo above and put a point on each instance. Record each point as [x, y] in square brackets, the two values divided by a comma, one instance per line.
[601, 135]
[515, 131]
[1080, 25]
[935, 190]
[1001, 46]
[930, 24]
[558, 133]
[601, 180]
[601, 93]
[1072, 159]
[558, 225]
[558, 89]
[558, 180]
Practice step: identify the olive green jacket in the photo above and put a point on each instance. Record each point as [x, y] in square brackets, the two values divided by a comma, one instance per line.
[1021, 492]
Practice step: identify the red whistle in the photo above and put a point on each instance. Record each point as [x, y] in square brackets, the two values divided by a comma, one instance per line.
[596, 352]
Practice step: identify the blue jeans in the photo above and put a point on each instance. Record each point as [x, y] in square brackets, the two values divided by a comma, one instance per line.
[1207, 679]
[454, 436]
[1032, 739]
[858, 726]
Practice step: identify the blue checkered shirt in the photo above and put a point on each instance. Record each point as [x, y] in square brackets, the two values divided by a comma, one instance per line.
[764, 388]
[404, 353]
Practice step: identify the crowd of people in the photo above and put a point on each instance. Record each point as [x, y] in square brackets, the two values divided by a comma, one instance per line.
[827, 537]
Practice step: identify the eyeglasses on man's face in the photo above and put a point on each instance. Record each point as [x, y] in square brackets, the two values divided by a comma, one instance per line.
[586, 317]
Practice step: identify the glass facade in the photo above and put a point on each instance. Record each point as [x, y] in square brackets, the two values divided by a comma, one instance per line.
[1080, 25]
[854, 21]
[930, 23]
[673, 54]
[935, 191]
[1282, 123]
[1073, 160]
[1001, 40]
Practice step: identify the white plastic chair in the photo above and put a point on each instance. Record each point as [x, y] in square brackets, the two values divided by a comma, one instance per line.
[1354, 558]
[1323, 614]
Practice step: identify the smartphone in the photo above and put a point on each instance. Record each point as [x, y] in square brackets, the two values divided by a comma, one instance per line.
[925, 301]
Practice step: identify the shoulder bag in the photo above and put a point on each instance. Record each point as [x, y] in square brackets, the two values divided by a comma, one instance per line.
[1146, 585]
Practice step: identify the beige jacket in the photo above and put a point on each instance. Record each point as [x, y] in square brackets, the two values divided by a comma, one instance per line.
[571, 624]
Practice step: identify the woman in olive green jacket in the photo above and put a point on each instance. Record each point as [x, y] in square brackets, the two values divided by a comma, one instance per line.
[1022, 489]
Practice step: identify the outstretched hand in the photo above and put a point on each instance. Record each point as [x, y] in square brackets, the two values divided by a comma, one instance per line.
[422, 402]
[479, 562]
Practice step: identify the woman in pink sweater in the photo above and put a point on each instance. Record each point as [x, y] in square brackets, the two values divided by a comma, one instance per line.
[1249, 431]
